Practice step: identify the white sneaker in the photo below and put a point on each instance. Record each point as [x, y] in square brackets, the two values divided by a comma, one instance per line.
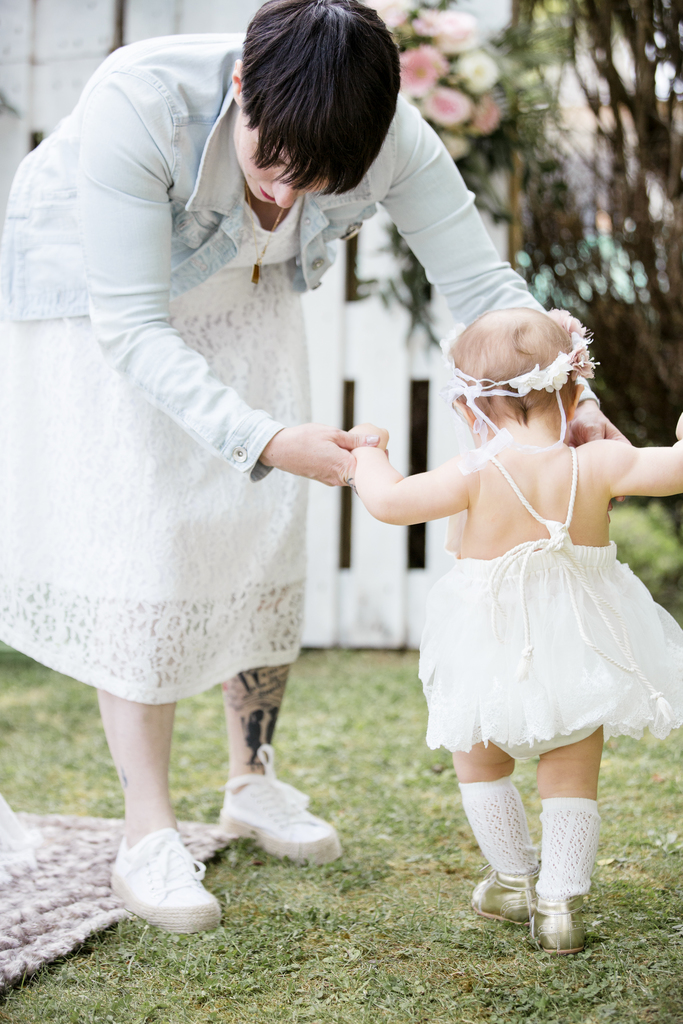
[159, 880]
[274, 814]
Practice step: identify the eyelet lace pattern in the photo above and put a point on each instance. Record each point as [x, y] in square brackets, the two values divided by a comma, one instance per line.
[130, 558]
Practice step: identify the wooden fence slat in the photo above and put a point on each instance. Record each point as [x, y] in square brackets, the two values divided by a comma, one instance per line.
[325, 327]
[215, 15]
[15, 82]
[15, 31]
[57, 86]
[73, 29]
[145, 19]
[372, 605]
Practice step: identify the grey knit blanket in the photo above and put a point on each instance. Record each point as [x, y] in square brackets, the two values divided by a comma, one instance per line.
[49, 910]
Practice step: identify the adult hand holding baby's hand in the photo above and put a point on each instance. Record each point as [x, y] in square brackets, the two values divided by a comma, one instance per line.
[369, 435]
[589, 424]
[317, 451]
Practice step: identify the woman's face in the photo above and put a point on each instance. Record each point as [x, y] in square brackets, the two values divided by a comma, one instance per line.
[263, 182]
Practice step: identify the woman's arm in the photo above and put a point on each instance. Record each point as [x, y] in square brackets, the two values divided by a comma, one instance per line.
[403, 501]
[430, 205]
[125, 173]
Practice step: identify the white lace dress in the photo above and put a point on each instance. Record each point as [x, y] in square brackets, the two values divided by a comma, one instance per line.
[542, 646]
[131, 558]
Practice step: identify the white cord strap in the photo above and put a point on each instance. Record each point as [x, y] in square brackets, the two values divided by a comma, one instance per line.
[573, 572]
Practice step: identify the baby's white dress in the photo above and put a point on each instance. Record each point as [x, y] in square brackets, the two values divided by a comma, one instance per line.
[131, 558]
[555, 682]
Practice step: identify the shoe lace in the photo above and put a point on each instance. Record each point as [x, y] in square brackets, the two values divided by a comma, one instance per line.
[284, 804]
[175, 866]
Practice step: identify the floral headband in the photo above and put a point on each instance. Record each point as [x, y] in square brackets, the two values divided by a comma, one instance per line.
[574, 364]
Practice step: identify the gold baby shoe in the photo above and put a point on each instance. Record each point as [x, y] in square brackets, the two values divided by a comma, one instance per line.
[505, 897]
[557, 925]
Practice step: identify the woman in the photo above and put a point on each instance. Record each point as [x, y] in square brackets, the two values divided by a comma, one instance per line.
[154, 373]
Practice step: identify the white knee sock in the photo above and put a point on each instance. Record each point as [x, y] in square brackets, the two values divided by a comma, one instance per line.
[571, 828]
[496, 816]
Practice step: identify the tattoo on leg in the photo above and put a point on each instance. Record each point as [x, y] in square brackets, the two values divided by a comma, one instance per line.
[124, 780]
[271, 724]
[256, 696]
[252, 733]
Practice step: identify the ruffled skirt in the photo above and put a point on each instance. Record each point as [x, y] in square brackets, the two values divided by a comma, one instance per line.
[469, 676]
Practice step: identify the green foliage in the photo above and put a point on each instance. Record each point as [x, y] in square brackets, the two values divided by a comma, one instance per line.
[648, 540]
[603, 204]
[527, 97]
[383, 934]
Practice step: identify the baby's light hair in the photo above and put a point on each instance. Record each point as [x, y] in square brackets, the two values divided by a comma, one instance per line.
[505, 343]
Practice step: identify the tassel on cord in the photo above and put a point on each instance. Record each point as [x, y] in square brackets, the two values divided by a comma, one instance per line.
[524, 664]
[663, 713]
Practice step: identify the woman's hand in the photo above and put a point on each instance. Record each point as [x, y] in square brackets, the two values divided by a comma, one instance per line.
[589, 424]
[316, 451]
[370, 435]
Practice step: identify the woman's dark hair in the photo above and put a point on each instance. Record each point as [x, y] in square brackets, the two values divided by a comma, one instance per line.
[320, 80]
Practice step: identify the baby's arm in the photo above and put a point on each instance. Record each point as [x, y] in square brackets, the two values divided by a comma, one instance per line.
[402, 501]
[651, 471]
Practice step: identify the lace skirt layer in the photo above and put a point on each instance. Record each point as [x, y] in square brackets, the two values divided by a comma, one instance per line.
[131, 558]
[469, 677]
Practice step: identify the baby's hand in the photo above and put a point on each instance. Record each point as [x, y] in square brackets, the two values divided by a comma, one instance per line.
[369, 431]
[679, 428]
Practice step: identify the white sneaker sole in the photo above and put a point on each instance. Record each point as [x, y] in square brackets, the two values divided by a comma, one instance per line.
[202, 918]
[322, 851]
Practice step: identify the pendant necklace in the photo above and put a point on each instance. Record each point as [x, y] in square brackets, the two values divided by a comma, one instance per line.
[256, 270]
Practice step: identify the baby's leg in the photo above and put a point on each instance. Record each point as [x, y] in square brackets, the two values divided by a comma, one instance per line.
[568, 786]
[494, 809]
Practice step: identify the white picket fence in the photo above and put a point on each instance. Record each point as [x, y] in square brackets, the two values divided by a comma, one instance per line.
[48, 50]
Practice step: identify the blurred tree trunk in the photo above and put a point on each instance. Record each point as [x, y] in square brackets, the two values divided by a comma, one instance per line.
[603, 205]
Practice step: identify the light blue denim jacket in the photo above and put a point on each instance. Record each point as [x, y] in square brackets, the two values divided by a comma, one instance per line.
[136, 197]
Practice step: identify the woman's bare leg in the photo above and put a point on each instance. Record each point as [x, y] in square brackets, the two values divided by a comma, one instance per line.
[252, 702]
[139, 738]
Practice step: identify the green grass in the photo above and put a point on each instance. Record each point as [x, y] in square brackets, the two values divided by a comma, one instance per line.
[384, 934]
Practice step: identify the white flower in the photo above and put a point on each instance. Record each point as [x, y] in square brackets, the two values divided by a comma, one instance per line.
[457, 145]
[533, 380]
[392, 12]
[478, 71]
[551, 378]
[560, 374]
[446, 344]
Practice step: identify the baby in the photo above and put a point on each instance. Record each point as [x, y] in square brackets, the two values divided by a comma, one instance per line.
[538, 642]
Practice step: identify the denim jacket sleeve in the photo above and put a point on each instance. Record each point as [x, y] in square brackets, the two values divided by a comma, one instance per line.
[430, 205]
[432, 208]
[125, 224]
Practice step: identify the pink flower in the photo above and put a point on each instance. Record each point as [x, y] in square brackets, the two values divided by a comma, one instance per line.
[421, 69]
[580, 359]
[563, 318]
[456, 31]
[486, 116]
[447, 107]
[427, 23]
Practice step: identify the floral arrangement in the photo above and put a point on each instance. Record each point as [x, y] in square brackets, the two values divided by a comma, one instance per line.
[445, 71]
[486, 100]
